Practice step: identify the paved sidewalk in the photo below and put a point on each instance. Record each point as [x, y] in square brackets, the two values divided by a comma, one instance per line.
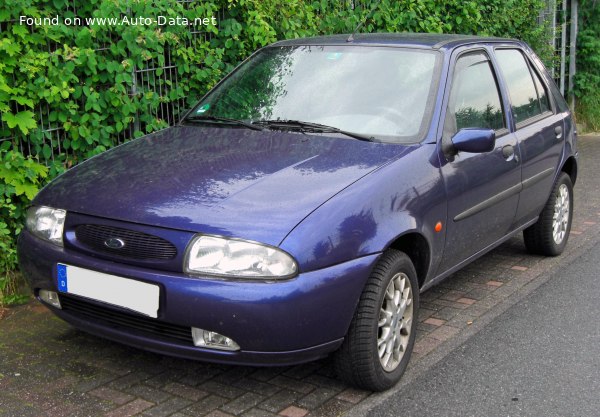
[49, 368]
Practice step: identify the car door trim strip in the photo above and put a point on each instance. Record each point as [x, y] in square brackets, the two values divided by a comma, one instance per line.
[509, 192]
[537, 177]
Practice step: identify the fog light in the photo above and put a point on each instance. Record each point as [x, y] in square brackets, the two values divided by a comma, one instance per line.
[204, 338]
[50, 297]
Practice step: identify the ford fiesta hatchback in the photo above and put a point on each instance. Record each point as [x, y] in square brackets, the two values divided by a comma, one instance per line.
[307, 200]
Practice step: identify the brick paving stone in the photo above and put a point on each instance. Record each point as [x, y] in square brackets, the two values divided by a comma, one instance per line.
[467, 301]
[167, 408]
[280, 400]
[129, 380]
[223, 390]
[292, 384]
[130, 409]
[479, 293]
[353, 395]
[434, 321]
[63, 410]
[148, 393]
[85, 385]
[332, 408]
[519, 268]
[205, 405]
[112, 395]
[493, 283]
[243, 403]
[317, 398]
[257, 412]
[445, 303]
[263, 388]
[447, 313]
[327, 381]
[301, 371]
[452, 295]
[160, 380]
[425, 313]
[267, 374]
[234, 374]
[424, 328]
[293, 411]
[185, 391]
[218, 413]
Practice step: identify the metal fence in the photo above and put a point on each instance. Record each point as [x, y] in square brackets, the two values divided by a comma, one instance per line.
[560, 19]
[143, 80]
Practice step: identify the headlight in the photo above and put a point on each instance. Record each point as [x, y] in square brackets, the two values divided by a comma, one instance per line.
[237, 258]
[46, 223]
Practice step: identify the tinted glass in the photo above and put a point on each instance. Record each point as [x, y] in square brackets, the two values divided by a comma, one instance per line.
[542, 93]
[474, 98]
[523, 95]
[382, 92]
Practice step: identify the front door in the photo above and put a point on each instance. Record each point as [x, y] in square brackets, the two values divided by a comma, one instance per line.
[482, 188]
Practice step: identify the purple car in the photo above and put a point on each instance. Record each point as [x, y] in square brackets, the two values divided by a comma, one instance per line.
[307, 200]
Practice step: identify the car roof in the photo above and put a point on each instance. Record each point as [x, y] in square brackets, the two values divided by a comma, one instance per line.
[407, 39]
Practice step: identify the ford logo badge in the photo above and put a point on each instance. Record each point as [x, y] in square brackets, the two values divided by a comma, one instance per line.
[114, 243]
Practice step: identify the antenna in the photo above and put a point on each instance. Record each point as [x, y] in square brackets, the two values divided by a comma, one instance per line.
[351, 37]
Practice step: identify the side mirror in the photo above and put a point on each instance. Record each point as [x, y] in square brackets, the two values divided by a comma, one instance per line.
[474, 140]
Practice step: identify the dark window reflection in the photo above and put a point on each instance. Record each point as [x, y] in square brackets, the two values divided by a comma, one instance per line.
[474, 98]
[521, 87]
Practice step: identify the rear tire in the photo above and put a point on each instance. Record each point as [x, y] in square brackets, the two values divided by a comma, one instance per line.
[549, 235]
[381, 337]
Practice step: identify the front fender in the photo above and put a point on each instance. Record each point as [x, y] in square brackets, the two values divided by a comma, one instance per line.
[407, 195]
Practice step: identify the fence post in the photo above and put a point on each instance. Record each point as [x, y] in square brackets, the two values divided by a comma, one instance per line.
[572, 52]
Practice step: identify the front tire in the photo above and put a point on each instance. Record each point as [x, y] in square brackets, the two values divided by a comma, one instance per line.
[381, 337]
[549, 235]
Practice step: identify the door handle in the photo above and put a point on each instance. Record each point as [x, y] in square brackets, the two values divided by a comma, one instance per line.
[558, 132]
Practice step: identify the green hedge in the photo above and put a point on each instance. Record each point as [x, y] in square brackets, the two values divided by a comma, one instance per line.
[80, 79]
[587, 78]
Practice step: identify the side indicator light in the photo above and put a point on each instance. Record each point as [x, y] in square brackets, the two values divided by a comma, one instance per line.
[438, 227]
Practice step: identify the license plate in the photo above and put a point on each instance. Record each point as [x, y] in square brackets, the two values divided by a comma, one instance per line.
[123, 292]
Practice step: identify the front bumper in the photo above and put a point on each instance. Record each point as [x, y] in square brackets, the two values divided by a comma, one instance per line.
[275, 323]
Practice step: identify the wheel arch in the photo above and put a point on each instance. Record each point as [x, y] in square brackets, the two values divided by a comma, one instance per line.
[417, 248]
[570, 168]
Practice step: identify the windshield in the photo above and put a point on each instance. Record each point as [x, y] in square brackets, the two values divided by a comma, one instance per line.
[381, 92]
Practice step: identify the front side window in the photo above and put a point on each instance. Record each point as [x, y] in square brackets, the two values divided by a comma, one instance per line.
[528, 98]
[474, 98]
[386, 93]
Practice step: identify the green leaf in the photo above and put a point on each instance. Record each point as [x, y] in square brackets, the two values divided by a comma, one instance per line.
[23, 119]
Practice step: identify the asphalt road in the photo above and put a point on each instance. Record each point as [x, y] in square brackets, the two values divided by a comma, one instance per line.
[541, 357]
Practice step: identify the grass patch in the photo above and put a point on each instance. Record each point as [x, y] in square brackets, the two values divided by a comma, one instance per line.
[13, 289]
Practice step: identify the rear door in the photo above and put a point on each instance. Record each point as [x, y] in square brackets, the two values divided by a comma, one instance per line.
[539, 129]
[482, 188]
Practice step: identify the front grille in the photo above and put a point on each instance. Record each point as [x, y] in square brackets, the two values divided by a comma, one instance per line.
[126, 321]
[138, 245]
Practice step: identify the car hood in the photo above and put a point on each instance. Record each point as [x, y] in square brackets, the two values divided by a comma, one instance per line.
[227, 181]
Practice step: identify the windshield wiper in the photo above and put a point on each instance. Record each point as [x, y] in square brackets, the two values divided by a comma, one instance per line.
[218, 119]
[311, 127]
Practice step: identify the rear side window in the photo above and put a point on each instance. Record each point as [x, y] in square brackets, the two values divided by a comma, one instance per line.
[528, 97]
[542, 94]
[474, 98]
